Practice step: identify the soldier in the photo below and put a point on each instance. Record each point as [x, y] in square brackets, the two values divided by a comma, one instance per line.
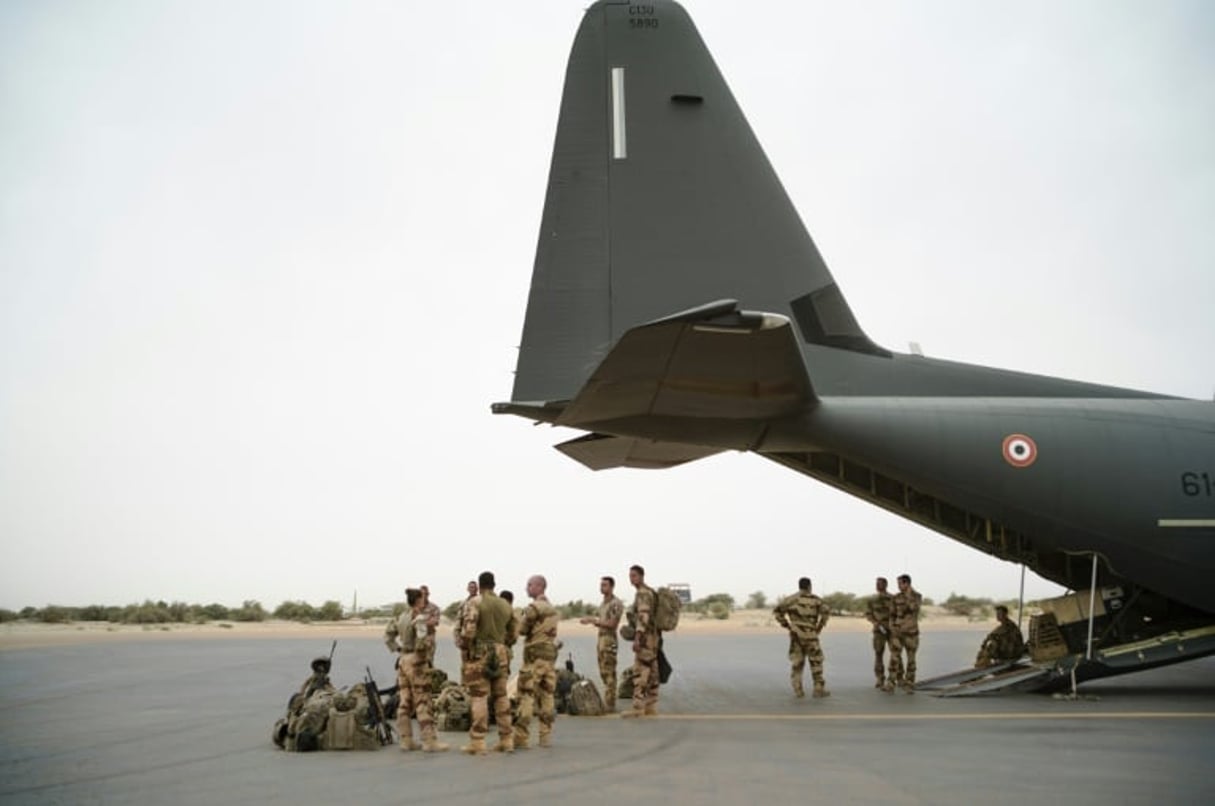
[487, 627]
[415, 627]
[1001, 644]
[537, 676]
[433, 616]
[646, 643]
[319, 679]
[804, 615]
[610, 611]
[904, 636]
[472, 592]
[878, 613]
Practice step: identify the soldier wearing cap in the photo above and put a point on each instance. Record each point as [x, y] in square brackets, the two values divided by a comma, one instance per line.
[416, 647]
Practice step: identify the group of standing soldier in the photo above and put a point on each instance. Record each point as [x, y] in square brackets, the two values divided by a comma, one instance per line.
[896, 625]
[895, 620]
[487, 627]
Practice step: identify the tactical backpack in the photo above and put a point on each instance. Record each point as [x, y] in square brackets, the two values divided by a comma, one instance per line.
[584, 699]
[453, 709]
[625, 692]
[667, 605]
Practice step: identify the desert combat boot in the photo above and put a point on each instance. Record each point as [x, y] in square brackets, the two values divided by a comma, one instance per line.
[435, 746]
[475, 747]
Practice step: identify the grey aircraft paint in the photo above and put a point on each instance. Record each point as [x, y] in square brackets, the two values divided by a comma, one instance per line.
[678, 308]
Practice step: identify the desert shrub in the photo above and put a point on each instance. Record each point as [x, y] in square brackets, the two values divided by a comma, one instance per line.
[250, 610]
[54, 614]
[330, 611]
[8, 615]
[757, 601]
[840, 603]
[718, 610]
[703, 605]
[295, 611]
[577, 609]
[967, 606]
[93, 613]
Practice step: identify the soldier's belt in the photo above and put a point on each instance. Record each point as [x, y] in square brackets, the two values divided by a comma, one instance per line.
[533, 652]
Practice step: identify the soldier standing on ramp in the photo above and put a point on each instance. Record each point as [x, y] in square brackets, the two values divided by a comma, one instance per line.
[804, 615]
[537, 676]
[416, 632]
[608, 620]
[878, 614]
[488, 626]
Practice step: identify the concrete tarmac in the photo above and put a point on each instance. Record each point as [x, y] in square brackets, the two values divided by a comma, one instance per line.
[188, 722]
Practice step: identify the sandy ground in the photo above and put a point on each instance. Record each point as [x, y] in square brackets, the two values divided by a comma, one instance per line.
[24, 635]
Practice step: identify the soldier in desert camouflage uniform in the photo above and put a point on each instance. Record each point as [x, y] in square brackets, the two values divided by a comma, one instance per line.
[804, 615]
[904, 636]
[537, 676]
[1003, 643]
[610, 612]
[646, 643]
[488, 626]
[433, 616]
[878, 614]
[472, 594]
[415, 629]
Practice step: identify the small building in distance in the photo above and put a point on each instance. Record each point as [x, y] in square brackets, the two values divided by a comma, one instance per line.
[683, 590]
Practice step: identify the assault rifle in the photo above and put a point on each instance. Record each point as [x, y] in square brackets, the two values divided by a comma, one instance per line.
[379, 722]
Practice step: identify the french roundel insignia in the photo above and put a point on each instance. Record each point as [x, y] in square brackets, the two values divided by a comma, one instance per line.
[1020, 450]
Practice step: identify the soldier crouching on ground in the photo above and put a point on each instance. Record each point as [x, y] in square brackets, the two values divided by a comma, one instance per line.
[537, 676]
[487, 627]
[804, 615]
[610, 611]
[646, 643]
[1001, 644]
[878, 614]
[415, 629]
[904, 636]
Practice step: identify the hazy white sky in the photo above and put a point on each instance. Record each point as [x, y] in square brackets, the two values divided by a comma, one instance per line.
[263, 268]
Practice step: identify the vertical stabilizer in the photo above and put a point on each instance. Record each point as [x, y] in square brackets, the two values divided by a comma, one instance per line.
[659, 199]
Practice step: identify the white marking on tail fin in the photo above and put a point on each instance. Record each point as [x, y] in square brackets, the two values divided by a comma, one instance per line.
[619, 147]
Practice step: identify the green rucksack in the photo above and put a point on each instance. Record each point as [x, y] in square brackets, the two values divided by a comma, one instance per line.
[667, 605]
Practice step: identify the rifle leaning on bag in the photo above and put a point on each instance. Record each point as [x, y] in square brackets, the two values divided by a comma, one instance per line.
[379, 722]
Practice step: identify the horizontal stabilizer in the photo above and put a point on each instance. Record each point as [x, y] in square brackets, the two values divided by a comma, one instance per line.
[708, 362]
[602, 451]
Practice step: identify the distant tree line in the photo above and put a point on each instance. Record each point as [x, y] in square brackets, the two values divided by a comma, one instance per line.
[162, 612]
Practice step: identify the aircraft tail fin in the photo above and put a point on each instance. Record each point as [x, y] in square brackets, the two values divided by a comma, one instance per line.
[659, 199]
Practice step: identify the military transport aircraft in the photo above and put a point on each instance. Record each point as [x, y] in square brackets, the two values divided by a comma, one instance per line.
[679, 308]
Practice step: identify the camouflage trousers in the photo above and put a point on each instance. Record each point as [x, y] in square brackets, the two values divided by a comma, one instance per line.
[802, 649]
[880, 642]
[645, 671]
[413, 681]
[537, 685]
[903, 673]
[472, 675]
[606, 651]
